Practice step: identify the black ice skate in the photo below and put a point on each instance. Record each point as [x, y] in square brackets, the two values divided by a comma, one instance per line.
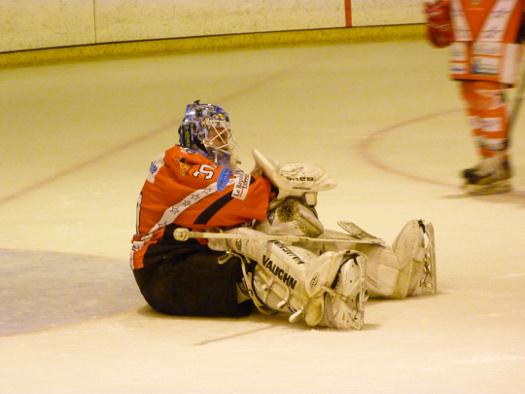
[469, 172]
[490, 176]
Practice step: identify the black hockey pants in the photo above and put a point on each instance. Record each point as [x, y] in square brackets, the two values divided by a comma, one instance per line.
[194, 285]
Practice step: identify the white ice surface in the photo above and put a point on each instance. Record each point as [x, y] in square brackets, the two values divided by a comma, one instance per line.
[382, 118]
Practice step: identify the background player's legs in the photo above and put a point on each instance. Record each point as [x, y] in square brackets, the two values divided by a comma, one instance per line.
[489, 121]
[477, 135]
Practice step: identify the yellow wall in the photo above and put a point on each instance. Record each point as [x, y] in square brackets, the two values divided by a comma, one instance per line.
[32, 24]
[386, 12]
[120, 20]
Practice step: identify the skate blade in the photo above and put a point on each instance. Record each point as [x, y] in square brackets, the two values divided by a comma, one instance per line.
[484, 190]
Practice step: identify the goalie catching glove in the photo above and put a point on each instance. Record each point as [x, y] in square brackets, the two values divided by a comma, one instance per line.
[299, 180]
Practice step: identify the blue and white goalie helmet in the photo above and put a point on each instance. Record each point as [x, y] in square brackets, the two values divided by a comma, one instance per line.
[206, 129]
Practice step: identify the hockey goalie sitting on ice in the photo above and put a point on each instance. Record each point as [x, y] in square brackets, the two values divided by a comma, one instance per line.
[212, 240]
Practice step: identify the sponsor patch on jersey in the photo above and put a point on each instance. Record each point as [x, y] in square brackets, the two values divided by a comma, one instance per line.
[154, 168]
[241, 185]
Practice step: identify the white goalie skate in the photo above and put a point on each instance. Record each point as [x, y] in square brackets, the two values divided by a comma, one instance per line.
[345, 303]
[415, 248]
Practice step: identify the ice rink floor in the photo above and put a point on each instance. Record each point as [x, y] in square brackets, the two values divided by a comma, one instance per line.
[381, 118]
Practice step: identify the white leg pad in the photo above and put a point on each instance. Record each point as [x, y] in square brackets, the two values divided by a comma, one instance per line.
[382, 271]
[296, 281]
[408, 268]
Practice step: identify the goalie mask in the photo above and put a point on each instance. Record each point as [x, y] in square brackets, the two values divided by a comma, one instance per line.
[206, 129]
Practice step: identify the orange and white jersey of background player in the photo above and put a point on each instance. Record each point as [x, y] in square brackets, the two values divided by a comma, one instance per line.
[185, 189]
[485, 44]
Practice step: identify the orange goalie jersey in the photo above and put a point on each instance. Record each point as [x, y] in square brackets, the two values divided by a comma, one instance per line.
[185, 189]
[485, 40]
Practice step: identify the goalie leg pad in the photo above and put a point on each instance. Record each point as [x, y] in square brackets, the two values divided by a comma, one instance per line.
[335, 292]
[382, 271]
[408, 268]
[278, 281]
[328, 289]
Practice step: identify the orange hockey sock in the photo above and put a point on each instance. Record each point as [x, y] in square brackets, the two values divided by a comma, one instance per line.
[488, 112]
